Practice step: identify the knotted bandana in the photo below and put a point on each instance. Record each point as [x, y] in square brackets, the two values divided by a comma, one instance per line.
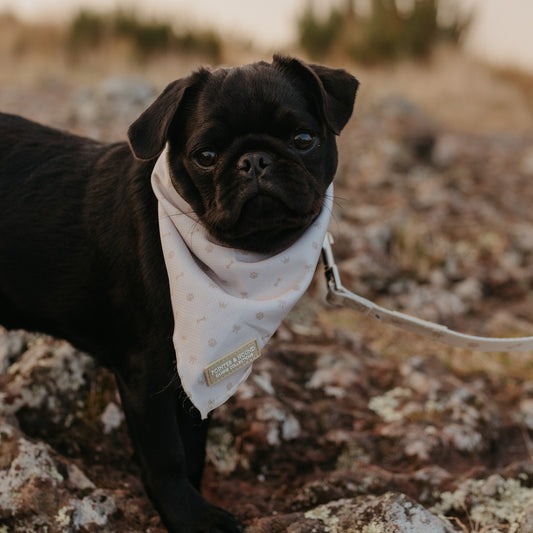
[226, 303]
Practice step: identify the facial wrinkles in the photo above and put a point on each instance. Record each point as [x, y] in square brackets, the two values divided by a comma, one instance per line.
[250, 103]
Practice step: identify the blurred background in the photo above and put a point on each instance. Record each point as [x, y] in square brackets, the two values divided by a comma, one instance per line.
[501, 31]
[431, 51]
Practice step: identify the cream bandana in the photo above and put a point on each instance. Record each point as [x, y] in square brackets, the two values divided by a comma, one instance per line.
[226, 303]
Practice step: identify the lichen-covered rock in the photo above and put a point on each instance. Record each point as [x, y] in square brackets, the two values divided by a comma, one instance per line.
[493, 502]
[12, 344]
[112, 417]
[380, 514]
[39, 489]
[48, 389]
[42, 491]
[46, 375]
[437, 415]
[526, 522]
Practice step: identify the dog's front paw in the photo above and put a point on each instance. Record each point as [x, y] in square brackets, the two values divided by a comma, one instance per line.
[217, 520]
[189, 512]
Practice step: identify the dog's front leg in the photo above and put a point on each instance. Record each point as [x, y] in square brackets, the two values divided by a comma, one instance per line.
[160, 428]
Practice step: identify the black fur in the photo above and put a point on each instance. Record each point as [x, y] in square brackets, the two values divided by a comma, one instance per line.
[80, 255]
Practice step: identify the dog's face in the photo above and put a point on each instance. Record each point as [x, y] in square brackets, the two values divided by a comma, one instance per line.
[251, 149]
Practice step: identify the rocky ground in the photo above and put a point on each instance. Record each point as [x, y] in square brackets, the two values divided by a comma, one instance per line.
[345, 425]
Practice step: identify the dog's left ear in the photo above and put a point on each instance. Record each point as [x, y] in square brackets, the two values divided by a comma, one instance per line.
[334, 89]
[148, 134]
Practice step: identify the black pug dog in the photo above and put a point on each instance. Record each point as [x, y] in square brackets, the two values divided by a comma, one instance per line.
[252, 149]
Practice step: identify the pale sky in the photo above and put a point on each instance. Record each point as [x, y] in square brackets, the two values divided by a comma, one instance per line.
[502, 30]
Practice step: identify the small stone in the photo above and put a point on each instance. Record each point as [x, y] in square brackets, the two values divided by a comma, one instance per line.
[112, 417]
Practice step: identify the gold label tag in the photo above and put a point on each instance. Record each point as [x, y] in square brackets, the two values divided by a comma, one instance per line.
[231, 362]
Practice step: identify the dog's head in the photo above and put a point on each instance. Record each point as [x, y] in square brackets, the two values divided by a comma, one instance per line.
[251, 149]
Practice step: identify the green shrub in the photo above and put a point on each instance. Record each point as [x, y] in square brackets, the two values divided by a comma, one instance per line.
[208, 43]
[86, 30]
[89, 29]
[147, 37]
[316, 36]
[385, 33]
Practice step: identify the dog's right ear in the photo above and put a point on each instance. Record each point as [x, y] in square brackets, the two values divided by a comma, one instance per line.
[148, 134]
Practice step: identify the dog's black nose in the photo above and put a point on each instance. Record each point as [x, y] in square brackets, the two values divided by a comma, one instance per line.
[254, 164]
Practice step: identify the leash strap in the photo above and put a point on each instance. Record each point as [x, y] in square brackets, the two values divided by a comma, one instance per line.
[339, 296]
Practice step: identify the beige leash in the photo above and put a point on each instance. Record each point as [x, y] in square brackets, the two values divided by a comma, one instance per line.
[338, 296]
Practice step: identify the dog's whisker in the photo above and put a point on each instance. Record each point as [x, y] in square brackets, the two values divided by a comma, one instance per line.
[339, 200]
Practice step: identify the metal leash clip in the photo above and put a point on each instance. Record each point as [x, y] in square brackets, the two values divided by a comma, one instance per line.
[331, 270]
[339, 296]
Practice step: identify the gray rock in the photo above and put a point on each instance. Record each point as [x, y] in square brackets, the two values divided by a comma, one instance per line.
[381, 514]
[39, 488]
[47, 377]
[526, 522]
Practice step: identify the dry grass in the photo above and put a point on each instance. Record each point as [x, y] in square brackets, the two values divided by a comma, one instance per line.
[457, 90]
[452, 88]
[37, 54]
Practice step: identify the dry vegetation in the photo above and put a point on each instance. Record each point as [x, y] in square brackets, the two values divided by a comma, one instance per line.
[451, 87]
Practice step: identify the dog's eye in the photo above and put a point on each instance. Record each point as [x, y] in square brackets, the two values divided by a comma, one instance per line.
[206, 158]
[303, 140]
